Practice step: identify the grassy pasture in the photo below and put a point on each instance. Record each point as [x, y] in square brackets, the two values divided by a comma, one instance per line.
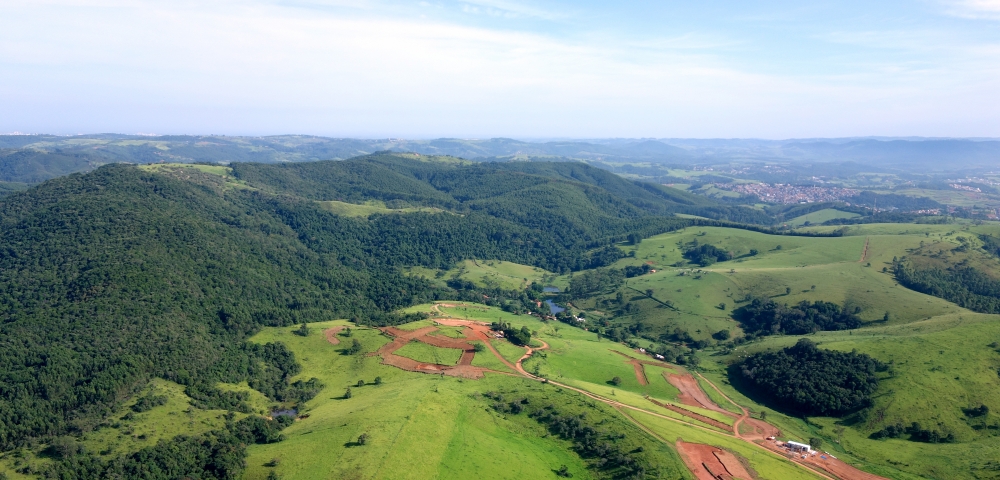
[420, 426]
[368, 208]
[134, 431]
[494, 274]
[821, 216]
[486, 359]
[423, 352]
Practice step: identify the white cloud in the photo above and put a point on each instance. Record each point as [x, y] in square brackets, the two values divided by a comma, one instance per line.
[253, 67]
[509, 9]
[975, 9]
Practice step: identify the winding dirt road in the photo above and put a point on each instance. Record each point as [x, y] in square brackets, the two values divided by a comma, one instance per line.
[829, 468]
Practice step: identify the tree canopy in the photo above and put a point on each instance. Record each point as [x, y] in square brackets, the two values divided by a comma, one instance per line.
[809, 380]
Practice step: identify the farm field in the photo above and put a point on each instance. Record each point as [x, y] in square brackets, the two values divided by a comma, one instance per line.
[493, 274]
[820, 216]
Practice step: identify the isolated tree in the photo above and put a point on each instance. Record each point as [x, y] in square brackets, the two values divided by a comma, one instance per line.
[348, 393]
[348, 332]
[363, 439]
[815, 442]
[479, 347]
[616, 381]
[355, 347]
[378, 380]
[649, 292]
[763, 414]
[778, 247]
[721, 335]
[361, 383]
[564, 472]
[303, 331]
[885, 317]
[722, 306]
[273, 476]
[788, 290]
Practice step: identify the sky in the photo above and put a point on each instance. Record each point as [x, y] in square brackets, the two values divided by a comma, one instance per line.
[502, 68]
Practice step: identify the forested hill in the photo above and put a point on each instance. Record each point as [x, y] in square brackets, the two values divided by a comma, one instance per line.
[113, 277]
[527, 192]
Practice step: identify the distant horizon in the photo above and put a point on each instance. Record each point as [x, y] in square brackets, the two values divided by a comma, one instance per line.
[501, 137]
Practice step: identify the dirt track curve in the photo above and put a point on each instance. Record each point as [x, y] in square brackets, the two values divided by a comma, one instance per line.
[720, 463]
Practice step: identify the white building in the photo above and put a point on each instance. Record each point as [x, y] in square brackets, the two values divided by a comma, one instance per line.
[798, 447]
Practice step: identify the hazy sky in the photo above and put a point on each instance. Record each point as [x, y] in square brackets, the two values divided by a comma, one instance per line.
[484, 68]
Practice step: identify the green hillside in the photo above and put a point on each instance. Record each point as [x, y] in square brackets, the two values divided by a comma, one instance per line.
[171, 321]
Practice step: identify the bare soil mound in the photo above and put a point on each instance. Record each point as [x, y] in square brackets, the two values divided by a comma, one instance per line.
[692, 394]
[474, 331]
[705, 462]
[331, 335]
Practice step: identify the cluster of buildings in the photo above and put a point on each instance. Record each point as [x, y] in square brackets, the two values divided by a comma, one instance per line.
[958, 186]
[785, 193]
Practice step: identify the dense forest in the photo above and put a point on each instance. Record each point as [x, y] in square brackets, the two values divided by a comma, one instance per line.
[960, 284]
[767, 317]
[809, 380]
[111, 278]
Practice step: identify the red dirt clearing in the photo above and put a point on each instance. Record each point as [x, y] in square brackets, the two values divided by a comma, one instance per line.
[705, 463]
[473, 331]
[692, 394]
[640, 373]
[331, 335]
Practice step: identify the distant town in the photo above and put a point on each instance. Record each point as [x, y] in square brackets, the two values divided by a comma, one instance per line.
[784, 193]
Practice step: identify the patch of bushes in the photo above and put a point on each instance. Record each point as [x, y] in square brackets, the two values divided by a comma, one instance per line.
[705, 254]
[767, 317]
[916, 433]
[806, 379]
[148, 402]
[516, 336]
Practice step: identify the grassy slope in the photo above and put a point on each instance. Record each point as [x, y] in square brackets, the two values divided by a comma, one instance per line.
[423, 352]
[493, 274]
[820, 216]
[421, 426]
[940, 353]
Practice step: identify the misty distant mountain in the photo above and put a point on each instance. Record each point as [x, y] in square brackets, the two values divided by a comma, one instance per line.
[35, 158]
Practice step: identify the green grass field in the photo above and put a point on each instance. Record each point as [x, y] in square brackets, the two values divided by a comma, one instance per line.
[421, 426]
[423, 352]
[368, 208]
[493, 274]
[820, 216]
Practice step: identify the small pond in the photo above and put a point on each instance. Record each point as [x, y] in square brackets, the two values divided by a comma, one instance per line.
[553, 308]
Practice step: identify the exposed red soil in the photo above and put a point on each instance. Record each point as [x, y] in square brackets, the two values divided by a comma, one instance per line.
[864, 253]
[473, 331]
[830, 465]
[696, 416]
[732, 464]
[640, 373]
[692, 394]
[705, 463]
[331, 335]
